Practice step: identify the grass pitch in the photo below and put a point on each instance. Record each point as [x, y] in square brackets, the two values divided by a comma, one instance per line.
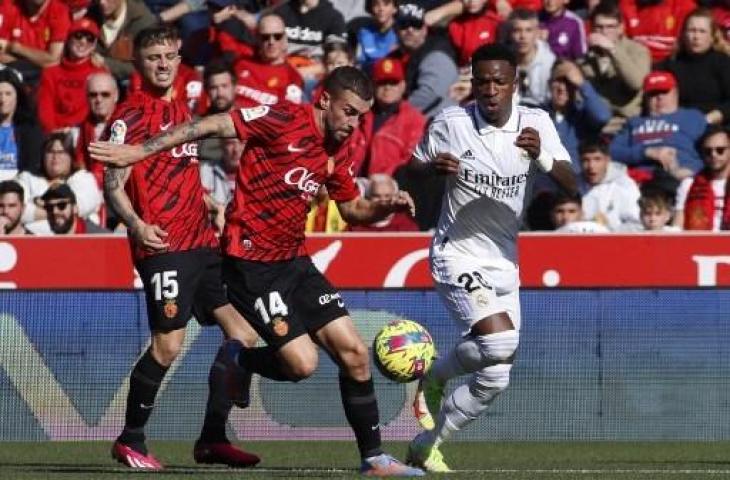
[335, 460]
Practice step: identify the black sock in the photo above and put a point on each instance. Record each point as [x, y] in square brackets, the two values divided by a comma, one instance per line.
[361, 410]
[219, 403]
[263, 360]
[144, 382]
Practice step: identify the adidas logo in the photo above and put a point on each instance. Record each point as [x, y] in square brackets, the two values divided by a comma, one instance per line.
[468, 154]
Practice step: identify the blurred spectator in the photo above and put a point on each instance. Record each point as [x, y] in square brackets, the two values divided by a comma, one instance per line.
[59, 203]
[61, 93]
[309, 25]
[610, 196]
[120, 21]
[702, 68]
[219, 179]
[721, 12]
[20, 134]
[655, 23]
[615, 65]
[567, 216]
[475, 27]
[11, 208]
[429, 61]
[231, 31]
[57, 168]
[575, 107]
[187, 85]
[665, 137]
[267, 78]
[656, 211]
[102, 96]
[382, 188]
[324, 216]
[377, 38]
[534, 58]
[32, 34]
[336, 54]
[566, 33]
[390, 131]
[703, 202]
[219, 96]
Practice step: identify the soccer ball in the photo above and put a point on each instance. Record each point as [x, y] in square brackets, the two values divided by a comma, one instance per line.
[404, 351]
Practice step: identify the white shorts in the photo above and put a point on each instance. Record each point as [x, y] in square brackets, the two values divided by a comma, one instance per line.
[472, 290]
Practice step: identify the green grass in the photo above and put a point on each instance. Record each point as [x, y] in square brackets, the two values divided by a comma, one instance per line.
[330, 460]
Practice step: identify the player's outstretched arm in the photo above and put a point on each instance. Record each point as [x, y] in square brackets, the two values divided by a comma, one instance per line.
[220, 125]
[151, 237]
[362, 211]
[564, 175]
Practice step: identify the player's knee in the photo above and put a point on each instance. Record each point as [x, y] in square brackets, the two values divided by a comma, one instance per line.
[303, 365]
[166, 352]
[490, 381]
[355, 356]
[498, 347]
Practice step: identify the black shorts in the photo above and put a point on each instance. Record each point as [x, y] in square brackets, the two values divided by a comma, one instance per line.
[282, 300]
[178, 285]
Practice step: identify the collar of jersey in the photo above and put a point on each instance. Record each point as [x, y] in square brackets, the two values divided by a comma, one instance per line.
[512, 125]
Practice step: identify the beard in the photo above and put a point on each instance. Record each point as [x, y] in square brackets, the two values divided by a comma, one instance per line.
[63, 226]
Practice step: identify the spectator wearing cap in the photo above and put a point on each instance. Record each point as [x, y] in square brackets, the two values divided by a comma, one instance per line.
[615, 64]
[390, 131]
[656, 24]
[430, 69]
[703, 201]
[534, 58]
[661, 142]
[58, 167]
[101, 96]
[566, 33]
[11, 209]
[475, 27]
[268, 78]
[32, 35]
[377, 38]
[62, 213]
[702, 68]
[61, 93]
[120, 22]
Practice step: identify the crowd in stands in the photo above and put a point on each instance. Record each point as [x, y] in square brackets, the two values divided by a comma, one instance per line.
[639, 91]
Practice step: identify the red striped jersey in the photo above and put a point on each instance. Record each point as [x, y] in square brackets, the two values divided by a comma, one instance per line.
[165, 188]
[282, 169]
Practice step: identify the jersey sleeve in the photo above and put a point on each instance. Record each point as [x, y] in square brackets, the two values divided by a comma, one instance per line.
[126, 126]
[341, 185]
[435, 141]
[260, 123]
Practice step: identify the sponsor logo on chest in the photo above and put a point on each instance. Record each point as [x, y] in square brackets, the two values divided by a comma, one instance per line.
[304, 180]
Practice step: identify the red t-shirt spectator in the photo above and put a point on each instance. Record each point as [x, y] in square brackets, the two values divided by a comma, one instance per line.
[260, 83]
[469, 32]
[51, 24]
[656, 26]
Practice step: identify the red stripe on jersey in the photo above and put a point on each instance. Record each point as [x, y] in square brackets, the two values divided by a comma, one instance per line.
[282, 169]
[165, 189]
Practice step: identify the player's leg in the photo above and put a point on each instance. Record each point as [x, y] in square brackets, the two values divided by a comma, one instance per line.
[166, 279]
[211, 306]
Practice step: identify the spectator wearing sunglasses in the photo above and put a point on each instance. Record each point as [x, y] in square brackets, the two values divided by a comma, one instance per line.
[268, 78]
[703, 201]
[101, 96]
[61, 100]
[59, 203]
[58, 167]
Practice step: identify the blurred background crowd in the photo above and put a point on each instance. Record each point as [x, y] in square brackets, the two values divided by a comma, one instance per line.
[639, 91]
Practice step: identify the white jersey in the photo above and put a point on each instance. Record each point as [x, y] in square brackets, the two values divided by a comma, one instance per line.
[483, 205]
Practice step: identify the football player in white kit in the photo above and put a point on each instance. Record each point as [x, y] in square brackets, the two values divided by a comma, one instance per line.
[490, 151]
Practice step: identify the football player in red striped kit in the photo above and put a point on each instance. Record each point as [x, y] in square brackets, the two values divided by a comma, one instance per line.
[291, 151]
[175, 251]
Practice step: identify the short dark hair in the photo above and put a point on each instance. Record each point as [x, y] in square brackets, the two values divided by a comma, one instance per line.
[654, 197]
[493, 51]
[155, 35]
[522, 14]
[711, 131]
[606, 8]
[562, 198]
[369, 5]
[11, 186]
[593, 145]
[216, 67]
[349, 78]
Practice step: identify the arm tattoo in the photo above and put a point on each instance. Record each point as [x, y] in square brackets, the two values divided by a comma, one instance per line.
[116, 197]
[164, 141]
